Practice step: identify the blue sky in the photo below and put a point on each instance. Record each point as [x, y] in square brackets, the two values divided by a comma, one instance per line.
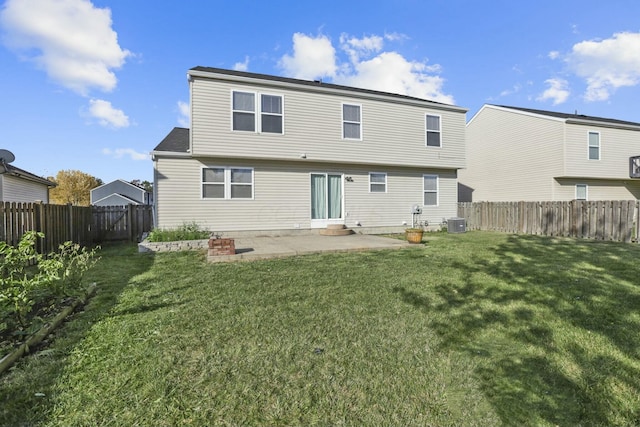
[96, 85]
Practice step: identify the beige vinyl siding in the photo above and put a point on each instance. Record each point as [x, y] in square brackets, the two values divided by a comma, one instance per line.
[21, 190]
[512, 156]
[393, 133]
[616, 146]
[565, 189]
[282, 196]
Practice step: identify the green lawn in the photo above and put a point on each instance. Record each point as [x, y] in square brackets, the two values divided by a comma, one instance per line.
[468, 329]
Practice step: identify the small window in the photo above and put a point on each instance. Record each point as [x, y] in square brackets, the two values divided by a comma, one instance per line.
[594, 146]
[433, 131]
[430, 189]
[581, 191]
[227, 183]
[351, 121]
[244, 107]
[377, 182]
[271, 113]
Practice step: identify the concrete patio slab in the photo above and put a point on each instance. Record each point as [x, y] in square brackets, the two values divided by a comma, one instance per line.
[253, 248]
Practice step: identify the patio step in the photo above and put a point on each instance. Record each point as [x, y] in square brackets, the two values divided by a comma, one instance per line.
[336, 230]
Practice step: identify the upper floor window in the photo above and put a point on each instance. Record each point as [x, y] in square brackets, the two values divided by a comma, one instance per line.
[434, 136]
[430, 189]
[581, 191]
[377, 182]
[351, 121]
[244, 109]
[269, 119]
[594, 145]
[227, 183]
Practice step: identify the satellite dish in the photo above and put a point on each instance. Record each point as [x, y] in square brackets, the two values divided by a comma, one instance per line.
[6, 156]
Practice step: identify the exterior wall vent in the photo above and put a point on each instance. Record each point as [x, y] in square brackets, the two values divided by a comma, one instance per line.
[456, 225]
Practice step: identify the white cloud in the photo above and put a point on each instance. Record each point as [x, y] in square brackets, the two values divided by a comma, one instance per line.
[107, 115]
[554, 54]
[557, 91]
[242, 66]
[391, 72]
[607, 65]
[515, 89]
[119, 153]
[313, 57]
[356, 48]
[72, 40]
[367, 65]
[184, 109]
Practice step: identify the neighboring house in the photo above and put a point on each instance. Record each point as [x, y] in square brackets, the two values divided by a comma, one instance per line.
[273, 153]
[18, 185]
[120, 193]
[520, 154]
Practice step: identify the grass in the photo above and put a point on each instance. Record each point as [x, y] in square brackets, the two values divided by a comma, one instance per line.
[469, 329]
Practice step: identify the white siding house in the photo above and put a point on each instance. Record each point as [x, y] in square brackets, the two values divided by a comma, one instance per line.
[18, 185]
[275, 154]
[519, 154]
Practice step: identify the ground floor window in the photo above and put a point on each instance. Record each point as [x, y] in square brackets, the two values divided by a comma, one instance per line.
[377, 182]
[430, 190]
[227, 183]
[581, 191]
[326, 196]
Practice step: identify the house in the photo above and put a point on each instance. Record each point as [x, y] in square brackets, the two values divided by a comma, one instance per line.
[267, 153]
[521, 154]
[18, 185]
[120, 193]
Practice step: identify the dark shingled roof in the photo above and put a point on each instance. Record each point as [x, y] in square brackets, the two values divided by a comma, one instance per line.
[569, 116]
[177, 141]
[21, 173]
[316, 83]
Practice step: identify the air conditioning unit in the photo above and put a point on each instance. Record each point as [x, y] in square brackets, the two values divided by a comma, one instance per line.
[456, 225]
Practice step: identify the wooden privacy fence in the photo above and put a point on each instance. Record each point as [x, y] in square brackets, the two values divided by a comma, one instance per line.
[615, 220]
[121, 222]
[80, 224]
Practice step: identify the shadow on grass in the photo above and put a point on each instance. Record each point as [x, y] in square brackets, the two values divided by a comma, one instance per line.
[554, 324]
[27, 390]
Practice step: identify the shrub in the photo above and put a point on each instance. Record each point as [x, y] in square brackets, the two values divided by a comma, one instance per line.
[188, 231]
[28, 278]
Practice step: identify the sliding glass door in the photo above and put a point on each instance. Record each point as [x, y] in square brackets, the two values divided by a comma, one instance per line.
[326, 199]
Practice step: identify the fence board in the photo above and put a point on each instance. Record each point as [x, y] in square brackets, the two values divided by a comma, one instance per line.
[615, 220]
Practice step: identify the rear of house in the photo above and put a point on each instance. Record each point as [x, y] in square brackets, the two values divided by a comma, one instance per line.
[266, 153]
[518, 154]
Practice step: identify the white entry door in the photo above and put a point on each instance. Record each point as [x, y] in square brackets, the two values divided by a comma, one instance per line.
[326, 199]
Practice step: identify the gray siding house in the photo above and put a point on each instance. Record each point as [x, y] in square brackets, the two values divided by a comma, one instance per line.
[120, 193]
[18, 185]
[520, 154]
[267, 153]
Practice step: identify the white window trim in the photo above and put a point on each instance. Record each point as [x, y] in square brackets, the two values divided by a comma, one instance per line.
[227, 183]
[259, 107]
[427, 130]
[378, 183]
[586, 191]
[343, 121]
[257, 111]
[599, 145]
[431, 191]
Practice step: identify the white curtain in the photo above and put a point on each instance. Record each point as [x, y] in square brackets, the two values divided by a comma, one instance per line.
[318, 196]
